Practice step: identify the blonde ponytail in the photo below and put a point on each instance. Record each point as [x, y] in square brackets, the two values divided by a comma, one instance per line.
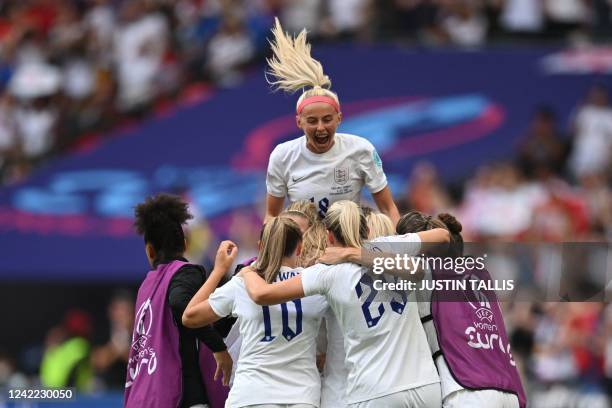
[348, 224]
[279, 239]
[293, 68]
[379, 225]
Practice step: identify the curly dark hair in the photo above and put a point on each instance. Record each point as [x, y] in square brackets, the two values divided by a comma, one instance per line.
[159, 219]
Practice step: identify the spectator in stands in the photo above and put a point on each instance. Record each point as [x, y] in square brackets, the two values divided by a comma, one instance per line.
[496, 190]
[564, 17]
[35, 87]
[592, 148]
[425, 191]
[344, 18]
[464, 24]
[110, 360]
[139, 46]
[10, 378]
[407, 19]
[297, 15]
[522, 18]
[66, 360]
[543, 151]
[229, 50]
[553, 359]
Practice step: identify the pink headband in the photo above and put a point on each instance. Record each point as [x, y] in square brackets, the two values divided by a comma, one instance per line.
[314, 99]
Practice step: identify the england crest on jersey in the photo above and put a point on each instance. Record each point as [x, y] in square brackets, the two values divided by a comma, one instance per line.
[341, 175]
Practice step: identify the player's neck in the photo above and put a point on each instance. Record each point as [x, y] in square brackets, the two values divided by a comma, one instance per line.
[290, 262]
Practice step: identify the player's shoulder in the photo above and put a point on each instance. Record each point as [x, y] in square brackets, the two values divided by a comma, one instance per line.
[409, 237]
[237, 282]
[357, 142]
[289, 146]
[318, 267]
[336, 269]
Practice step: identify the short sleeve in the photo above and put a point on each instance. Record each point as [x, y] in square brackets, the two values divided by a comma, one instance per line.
[275, 183]
[371, 166]
[316, 280]
[409, 244]
[223, 299]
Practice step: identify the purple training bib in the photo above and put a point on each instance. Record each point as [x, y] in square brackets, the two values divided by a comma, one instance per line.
[154, 376]
[472, 335]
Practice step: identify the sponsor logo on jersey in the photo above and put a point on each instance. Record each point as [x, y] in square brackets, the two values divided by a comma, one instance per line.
[376, 159]
[296, 179]
[341, 175]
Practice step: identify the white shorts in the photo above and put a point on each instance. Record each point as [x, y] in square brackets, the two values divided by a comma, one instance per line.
[481, 399]
[427, 396]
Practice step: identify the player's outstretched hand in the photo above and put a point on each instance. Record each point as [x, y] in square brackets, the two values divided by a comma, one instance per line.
[224, 366]
[226, 255]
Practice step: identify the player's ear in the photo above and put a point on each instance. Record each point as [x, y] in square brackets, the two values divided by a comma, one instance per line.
[298, 249]
[150, 251]
[331, 240]
[298, 121]
[339, 117]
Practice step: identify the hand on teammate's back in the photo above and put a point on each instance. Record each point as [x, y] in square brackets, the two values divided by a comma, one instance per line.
[224, 366]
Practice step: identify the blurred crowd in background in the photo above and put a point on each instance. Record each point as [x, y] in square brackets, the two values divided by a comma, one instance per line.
[73, 70]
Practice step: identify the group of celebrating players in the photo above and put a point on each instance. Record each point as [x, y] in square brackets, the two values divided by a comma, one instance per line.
[309, 282]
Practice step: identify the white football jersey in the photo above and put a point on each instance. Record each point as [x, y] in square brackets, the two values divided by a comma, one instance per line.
[410, 244]
[386, 348]
[338, 174]
[277, 357]
[333, 388]
[335, 373]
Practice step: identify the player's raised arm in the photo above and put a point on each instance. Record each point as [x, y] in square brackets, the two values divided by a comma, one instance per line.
[274, 206]
[386, 205]
[198, 312]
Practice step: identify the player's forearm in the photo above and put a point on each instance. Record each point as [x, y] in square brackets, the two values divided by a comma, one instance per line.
[259, 291]
[386, 205]
[393, 213]
[199, 315]
[207, 288]
[274, 206]
[264, 293]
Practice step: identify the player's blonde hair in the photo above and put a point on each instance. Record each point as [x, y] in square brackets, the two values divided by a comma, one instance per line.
[314, 239]
[379, 225]
[292, 67]
[279, 239]
[348, 224]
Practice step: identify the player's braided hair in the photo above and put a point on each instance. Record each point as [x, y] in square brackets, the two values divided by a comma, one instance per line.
[292, 67]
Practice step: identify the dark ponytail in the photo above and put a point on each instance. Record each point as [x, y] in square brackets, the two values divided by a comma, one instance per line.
[455, 228]
[416, 221]
[159, 219]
